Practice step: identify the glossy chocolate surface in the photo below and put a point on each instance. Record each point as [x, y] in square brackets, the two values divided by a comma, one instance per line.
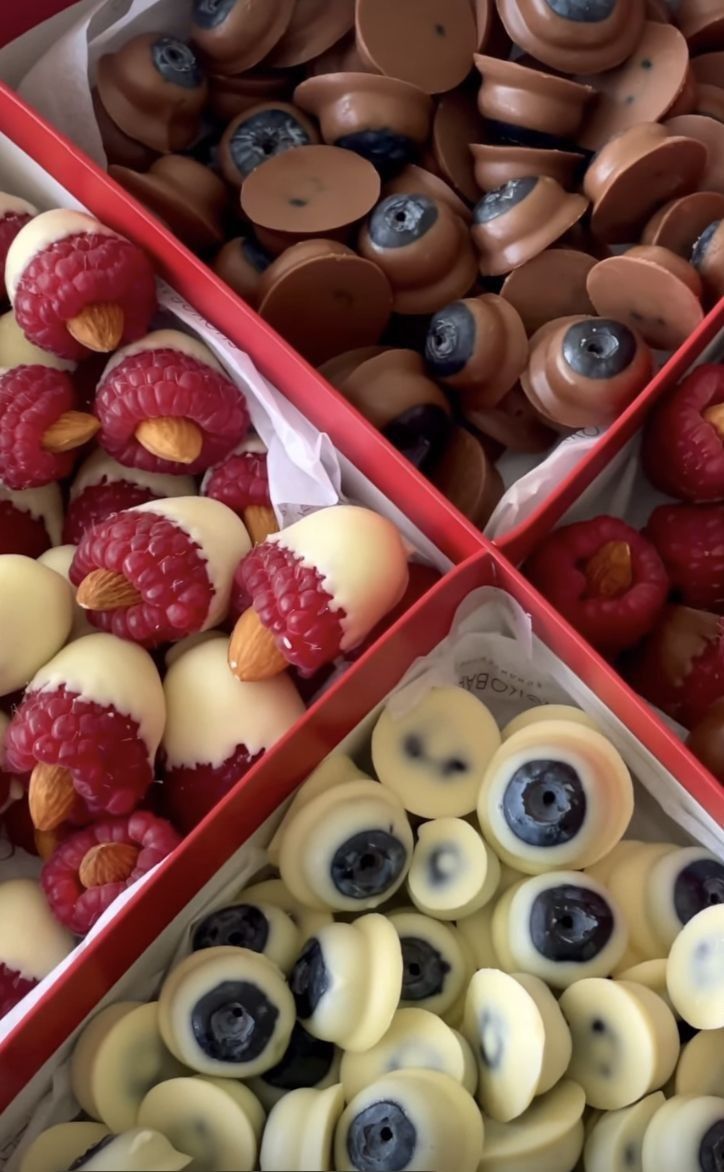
[234, 35]
[187, 196]
[575, 36]
[517, 221]
[260, 134]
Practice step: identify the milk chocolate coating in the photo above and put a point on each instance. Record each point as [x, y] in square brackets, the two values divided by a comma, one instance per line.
[639, 169]
[702, 23]
[154, 89]
[519, 220]
[679, 224]
[468, 478]
[260, 134]
[706, 739]
[710, 133]
[234, 35]
[315, 26]
[551, 285]
[187, 196]
[241, 263]
[709, 102]
[425, 42]
[423, 248]
[231, 96]
[708, 69]
[417, 179]
[512, 423]
[549, 108]
[707, 257]
[479, 347]
[457, 124]
[583, 371]
[341, 58]
[651, 289]
[575, 36]
[497, 163]
[119, 148]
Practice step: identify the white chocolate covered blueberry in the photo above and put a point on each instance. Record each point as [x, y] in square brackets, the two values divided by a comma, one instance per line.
[261, 927]
[547, 1138]
[629, 883]
[138, 1150]
[59, 558]
[275, 892]
[36, 615]
[555, 795]
[680, 885]
[226, 1012]
[548, 712]
[299, 1133]
[651, 973]
[685, 1135]
[32, 942]
[332, 772]
[519, 1037]
[16, 350]
[695, 970]
[435, 964]
[307, 1064]
[602, 870]
[453, 871]
[55, 1149]
[217, 1121]
[700, 1070]
[347, 849]
[477, 933]
[434, 755]
[615, 1141]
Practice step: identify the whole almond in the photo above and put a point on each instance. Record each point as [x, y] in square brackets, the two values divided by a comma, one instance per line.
[609, 572]
[261, 522]
[98, 327]
[70, 431]
[253, 651]
[51, 796]
[108, 862]
[171, 438]
[106, 590]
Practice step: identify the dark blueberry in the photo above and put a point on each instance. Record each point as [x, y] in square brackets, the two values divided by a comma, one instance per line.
[381, 1139]
[598, 348]
[438, 874]
[306, 1062]
[686, 1031]
[420, 434]
[255, 255]
[309, 979]
[451, 766]
[240, 926]
[507, 134]
[711, 1148]
[450, 340]
[503, 199]
[599, 1026]
[701, 247]
[492, 1044]
[263, 136]
[81, 1161]
[211, 13]
[583, 11]
[387, 151]
[570, 923]
[402, 220]
[367, 864]
[414, 747]
[544, 803]
[176, 62]
[423, 969]
[698, 886]
[234, 1021]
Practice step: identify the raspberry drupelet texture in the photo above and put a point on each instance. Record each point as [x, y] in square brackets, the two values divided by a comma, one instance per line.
[77, 906]
[21, 532]
[690, 541]
[291, 602]
[683, 442]
[165, 566]
[13, 987]
[102, 748]
[79, 271]
[10, 225]
[99, 501]
[240, 481]
[32, 399]
[161, 383]
[188, 793]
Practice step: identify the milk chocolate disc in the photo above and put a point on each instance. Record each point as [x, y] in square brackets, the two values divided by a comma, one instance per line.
[702, 23]
[640, 90]
[485, 20]
[494, 165]
[324, 299]
[456, 124]
[119, 148]
[315, 26]
[261, 133]
[651, 289]
[425, 42]
[478, 346]
[550, 286]
[687, 98]
[659, 10]
[711, 133]
[575, 36]
[549, 108]
[468, 479]
[231, 96]
[416, 179]
[679, 224]
[707, 257]
[234, 35]
[187, 196]
[519, 220]
[639, 169]
[513, 423]
[341, 58]
[241, 263]
[310, 191]
[337, 369]
[709, 68]
[710, 102]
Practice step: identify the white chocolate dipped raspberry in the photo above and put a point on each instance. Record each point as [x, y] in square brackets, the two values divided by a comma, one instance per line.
[251, 443]
[453, 871]
[275, 892]
[16, 350]
[32, 942]
[520, 1038]
[436, 965]
[548, 712]
[332, 772]
[118, 1058]
[555, 795]
[59, 558]
[217, 1121]
[695, 970]
[138, 1150]
[164, 340]
[60, 1146]
[629, 884]
[548, 1137]
[251, 924]
[36, 614]
[46, 229]
[13, 205]
[680, 885]
[685, 1133]
[700, 1070]
[100, 468]
[615, 1140]
[176, 650]
[434, 755]
[44, 504]
[299, 1132]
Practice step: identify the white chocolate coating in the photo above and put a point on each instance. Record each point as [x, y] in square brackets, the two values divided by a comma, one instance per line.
[549, 712]
[164, 340]
[31, 940]
[216, 1120]
[615, 1141]
[60, 558]
[36, 614]
[673, 1139]
[629, 885]
[453, 871]
[661, 890]
[547, 1138]
[16, 350]
[276, 893]
[101, 468]
[455, 965]
[45, 504]
[209, 711]
[651, 973]
[46, 229]
[57, 1148]
[282, 944]
[602, 870]
[333, 771]
[15, 790]
[13, 205]
[477, 932]
[701, 1065]
[220, 535]
[176, 650]
[300, 1130]
[361, 560]
[139, 1150]
[695, 970]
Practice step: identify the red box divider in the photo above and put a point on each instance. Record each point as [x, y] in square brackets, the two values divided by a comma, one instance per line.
[18, 18]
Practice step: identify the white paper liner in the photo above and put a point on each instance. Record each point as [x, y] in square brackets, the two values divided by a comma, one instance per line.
[491, 651]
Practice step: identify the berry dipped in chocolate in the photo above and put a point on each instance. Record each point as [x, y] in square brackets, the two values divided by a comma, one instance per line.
[15, 213]
[690, 542]
[33, 943]
[575, 36]
[30, 520]
[529, 107]
[28, 589]
[41, 428]
[241, 263]
[478, 347]
[234, 35]
[707, 257]
[515, 222]
[184, 194]
[241, 482]
[683, 451]
[680, 666]
[260, 134]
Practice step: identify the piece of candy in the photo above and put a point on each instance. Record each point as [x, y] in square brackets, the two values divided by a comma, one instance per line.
[32, 943]
[299, 1132]
[478, 347]
[61, 1146]
[573, 37]
[700, 1070]
[241, 482]
[532, 107]
[435, 963]
[630, 884]
[545, 712]
[680, 666]
[685, 1132]
[680, 885]
[15, 213]
[682, 451]
[30, 521]
[695, 973]
[30, 592]
[102, 486]
[515, 222]
[256, 926]
[59, 559]
[41, 427]
[183, 193]
[614, 1142]
[133, 1151]
[76, 285]
[453, 872]
[548, 1136]
[276, 893]
[218, 1121]
[307, 1063]
[16, 350]
[233, 36]
[690, 542]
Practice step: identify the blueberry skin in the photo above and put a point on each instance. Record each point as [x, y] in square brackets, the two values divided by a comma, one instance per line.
[264, 136]
[255, 255]
[401, 220]
[81, 1161]
[176, 62]
[234, 1021]
[212, 13]
[701, 247]
[698, 886]
[381, 1139]
[309, 979]
[570, 923]
[711, 1148]
[367, 864]
[544, 803]
[420, 434]
[239, 926]
[424, 969]
[306, 1062]
[583, 11]
[503, 199]
[598, 348]
[450, 341]
[388, 152]
[509, 134]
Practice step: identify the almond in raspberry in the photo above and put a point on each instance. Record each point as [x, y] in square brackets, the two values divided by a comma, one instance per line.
[32, 942]
[40, 427]
[241, 482]
[102, 486]
[683, 442]
[680, 666]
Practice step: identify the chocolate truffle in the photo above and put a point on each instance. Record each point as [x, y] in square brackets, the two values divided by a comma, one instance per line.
[651, 289]
[234, 35]
[707, 257]
[187, 196]
[551, 285]
[520, 219]
[477, 346]
[262, 133]
[241, 263]
[544, 109]
[425, 42]
[702, 23]
[575, 36]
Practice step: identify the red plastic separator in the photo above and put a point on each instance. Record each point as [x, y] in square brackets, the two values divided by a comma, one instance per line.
[18, 18]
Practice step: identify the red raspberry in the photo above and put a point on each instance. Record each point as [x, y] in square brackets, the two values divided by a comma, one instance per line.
[605, 578]
[99, 501]
[290, 601]
[102, 749]
[78, 906]
[13, 988]
[159, 383]
[680, 667]
[241, 480]
[164, 565]
[189, 793]
[21, 532]
[10, 225]
[683, 443]
[690, 541]
[75, 273]
[32, 399]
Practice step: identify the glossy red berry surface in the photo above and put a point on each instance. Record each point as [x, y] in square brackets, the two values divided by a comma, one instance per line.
[680, 667]
[10, 225]
[690, 541]
[32, 399]
[683, 443]
[21, 532]
[13, 987]
[188, 794]
[241, 480]
[99, 501]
